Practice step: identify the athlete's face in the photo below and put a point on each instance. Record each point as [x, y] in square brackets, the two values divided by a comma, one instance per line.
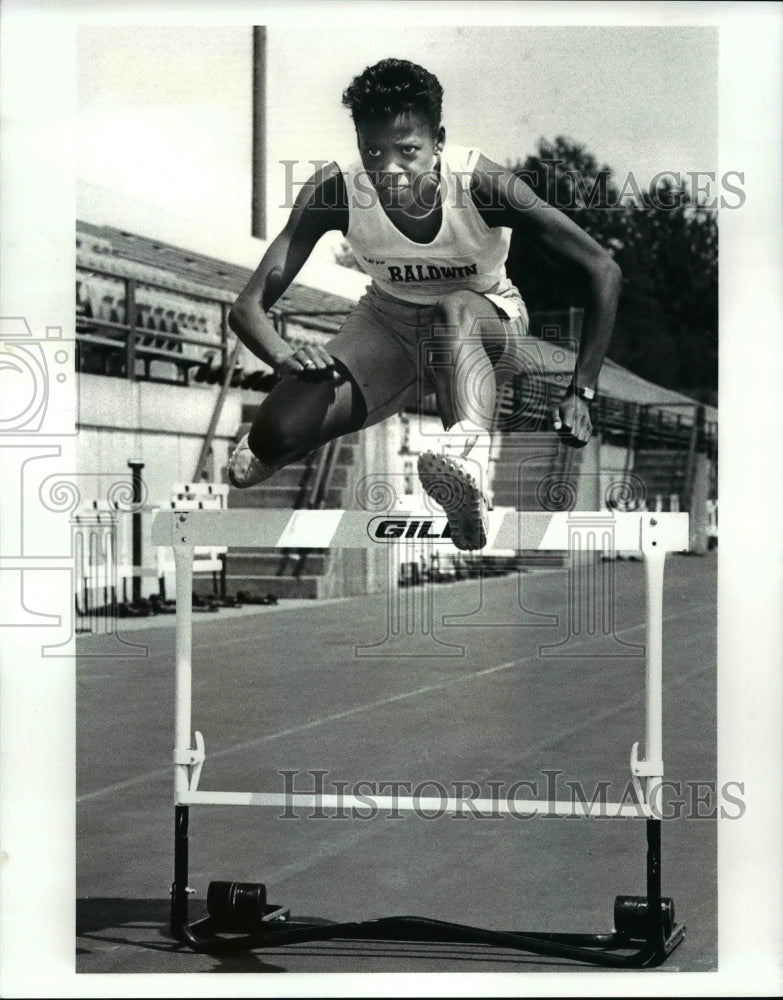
[401, 154]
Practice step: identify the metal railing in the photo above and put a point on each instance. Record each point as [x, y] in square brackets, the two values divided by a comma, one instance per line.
[121, 339]
[114, 342]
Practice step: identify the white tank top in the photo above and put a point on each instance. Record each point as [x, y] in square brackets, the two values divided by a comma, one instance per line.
[466, 253]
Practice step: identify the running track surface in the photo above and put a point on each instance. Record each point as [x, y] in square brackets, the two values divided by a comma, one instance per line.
[474, 699]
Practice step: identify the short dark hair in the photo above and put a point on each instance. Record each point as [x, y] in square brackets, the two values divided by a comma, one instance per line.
[391, 87]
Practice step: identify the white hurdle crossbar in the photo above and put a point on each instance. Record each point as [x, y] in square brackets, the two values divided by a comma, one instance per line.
[653, 534]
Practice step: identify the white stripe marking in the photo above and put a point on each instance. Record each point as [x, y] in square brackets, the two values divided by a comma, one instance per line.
[249, 744]
[309, 529]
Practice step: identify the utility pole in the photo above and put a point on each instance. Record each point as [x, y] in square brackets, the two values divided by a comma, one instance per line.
[259, 221]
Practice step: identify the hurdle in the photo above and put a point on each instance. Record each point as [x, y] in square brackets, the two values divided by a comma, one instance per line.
[239, 918]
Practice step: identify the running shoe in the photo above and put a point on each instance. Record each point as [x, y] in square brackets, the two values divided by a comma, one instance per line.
[244, 469]
[457, 483]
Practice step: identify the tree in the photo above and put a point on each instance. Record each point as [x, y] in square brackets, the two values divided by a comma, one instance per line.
[569, 178]
[666, 244]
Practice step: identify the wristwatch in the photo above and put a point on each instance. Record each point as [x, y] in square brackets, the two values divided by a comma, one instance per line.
[582, 391]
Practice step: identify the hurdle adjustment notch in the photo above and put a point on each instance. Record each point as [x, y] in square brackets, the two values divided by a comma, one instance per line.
[650, 769]
[191, 758]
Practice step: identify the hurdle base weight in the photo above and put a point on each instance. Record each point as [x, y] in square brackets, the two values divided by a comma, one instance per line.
[237, 908]
[241, 919]
[637, 916]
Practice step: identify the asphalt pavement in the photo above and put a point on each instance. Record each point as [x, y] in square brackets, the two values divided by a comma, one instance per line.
[472, 685]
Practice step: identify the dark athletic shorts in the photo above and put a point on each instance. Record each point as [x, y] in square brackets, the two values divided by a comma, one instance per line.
[389, 347]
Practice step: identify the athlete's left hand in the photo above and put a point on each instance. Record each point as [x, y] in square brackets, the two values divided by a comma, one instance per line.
[311, 362]
[571, 420]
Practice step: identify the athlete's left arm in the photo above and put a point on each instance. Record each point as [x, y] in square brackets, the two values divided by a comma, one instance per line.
[503, 199]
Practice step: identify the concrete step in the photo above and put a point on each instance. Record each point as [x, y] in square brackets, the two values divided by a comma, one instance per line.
[537, 452]
[277, 497]
[526, 442]
[659, 481]
[290, 475]
[527, 488]
[271, 562]
[506, 499]
[661, 454]
[658, 472]
[660, 464]
[511, 471]
[298, 475]
[279, 586]
[513, 459]
[294, 574]
[525, 504]
[346, 454]
[204, 586]
[534, 559]
[528, 479]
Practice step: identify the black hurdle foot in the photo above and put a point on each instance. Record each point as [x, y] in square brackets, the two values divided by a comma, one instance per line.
[240, 919]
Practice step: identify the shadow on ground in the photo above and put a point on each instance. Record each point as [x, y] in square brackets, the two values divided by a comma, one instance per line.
[143, 925]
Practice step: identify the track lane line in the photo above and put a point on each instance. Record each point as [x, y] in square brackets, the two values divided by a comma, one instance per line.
[370, 706]
[170, 653]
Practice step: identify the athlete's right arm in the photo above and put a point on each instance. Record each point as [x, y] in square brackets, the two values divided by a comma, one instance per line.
[321, 206]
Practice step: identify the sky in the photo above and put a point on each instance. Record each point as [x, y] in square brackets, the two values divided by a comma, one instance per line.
[642, 98]
[162, 115]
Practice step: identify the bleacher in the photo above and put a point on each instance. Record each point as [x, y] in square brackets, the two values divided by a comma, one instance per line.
[175, 304]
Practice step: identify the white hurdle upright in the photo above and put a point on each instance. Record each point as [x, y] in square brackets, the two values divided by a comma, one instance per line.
[644, 924]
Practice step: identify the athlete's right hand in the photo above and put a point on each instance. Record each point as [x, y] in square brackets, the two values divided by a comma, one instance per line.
[310, 362]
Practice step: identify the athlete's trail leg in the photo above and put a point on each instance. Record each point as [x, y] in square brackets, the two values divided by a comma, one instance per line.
[295, 418]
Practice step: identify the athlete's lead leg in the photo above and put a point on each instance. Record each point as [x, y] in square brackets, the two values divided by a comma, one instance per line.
[465, 386]
[455, 472]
